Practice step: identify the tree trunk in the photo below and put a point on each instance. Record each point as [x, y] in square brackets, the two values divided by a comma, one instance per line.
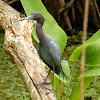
[18, 44]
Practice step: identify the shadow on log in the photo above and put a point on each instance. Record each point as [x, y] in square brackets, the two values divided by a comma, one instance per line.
[18, 44]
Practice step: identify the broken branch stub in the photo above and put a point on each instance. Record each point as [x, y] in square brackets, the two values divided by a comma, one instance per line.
[18, 44]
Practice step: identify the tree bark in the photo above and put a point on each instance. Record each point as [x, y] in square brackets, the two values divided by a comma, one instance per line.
[18, 44]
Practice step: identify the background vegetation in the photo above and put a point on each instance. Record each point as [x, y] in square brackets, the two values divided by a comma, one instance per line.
[11, 84]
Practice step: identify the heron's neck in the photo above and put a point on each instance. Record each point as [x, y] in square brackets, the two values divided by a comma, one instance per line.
[39, 31]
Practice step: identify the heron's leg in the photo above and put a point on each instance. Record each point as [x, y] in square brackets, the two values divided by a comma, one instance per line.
[52, 90]
[47, 77]
[44, 83]
[53, 78]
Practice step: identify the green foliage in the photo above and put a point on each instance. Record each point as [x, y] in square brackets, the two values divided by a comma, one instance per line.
[76, 91]
[92, 51]
[50, 26]
[66, 70]
[92, 72]
[98, 97]
[92, 58]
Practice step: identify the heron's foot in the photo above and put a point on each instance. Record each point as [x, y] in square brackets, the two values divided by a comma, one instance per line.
[42, 85]
[51, 91]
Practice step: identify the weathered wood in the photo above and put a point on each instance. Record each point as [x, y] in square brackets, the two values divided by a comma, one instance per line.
[18, 44]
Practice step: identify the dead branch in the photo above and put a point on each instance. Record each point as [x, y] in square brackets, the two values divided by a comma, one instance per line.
[18, 44]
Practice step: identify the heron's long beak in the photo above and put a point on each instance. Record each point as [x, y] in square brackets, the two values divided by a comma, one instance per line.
[30, 17]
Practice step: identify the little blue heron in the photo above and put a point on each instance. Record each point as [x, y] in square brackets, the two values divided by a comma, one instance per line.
[49, 50]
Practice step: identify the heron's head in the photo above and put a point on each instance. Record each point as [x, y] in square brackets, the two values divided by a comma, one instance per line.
[34, 16]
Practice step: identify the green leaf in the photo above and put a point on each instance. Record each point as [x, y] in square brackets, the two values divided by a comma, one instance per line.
[50, 26]
[98, 97]
[76, 53]
[66, 70]
[92, 50]
[66, 76]
[95, 71]
[76, 93]
[92, 72]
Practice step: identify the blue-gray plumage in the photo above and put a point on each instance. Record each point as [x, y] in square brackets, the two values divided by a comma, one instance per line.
[50, 53]
[49, 50]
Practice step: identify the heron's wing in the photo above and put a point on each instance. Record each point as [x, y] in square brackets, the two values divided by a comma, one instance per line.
[55, 54]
